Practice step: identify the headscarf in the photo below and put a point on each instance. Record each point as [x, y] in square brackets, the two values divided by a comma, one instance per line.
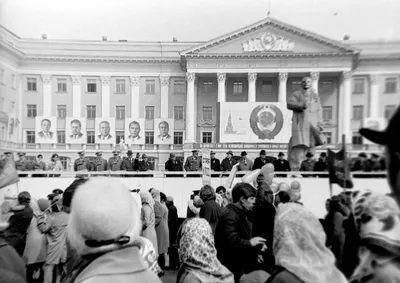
[198, 253]
[155, 194]
[149, 254]
[299, 245]
[147, 198]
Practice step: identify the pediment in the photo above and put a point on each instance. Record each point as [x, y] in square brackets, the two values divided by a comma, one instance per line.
[269, 37]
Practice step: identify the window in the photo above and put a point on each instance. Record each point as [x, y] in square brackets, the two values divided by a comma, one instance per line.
[389, 111]
[356, 138]
[296, 85]
[358, 111]
[178, 137]
[150, 86]
[327, 112]
[31, 84]
[358, 85]
[328, 136]
[90, 137]
[179, 86]
[178, 112]
[61, 85]
[32, 110]
[61, 111]
[237, 87]
[13, 81]
[266, 87]
[120, 135]
[91, 85]
[207, 113]
[149, 112]
[207, 86]
[60, 136]
[120, 112]
[120, 83]
[390, 85]
[64, 161]
[30, 136]
[90, 111]
[207, 137]
[327, 85]
[149, 138]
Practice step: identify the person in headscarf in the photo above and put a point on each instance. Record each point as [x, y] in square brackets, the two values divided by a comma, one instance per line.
[148, 218]
[299, 248]
[199, 256]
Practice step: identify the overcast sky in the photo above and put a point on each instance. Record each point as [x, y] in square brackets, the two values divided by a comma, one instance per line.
[195, 20]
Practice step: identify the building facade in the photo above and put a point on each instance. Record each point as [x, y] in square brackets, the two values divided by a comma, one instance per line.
[191, 86]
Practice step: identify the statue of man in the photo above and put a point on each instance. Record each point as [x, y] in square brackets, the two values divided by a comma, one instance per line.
[306, 123]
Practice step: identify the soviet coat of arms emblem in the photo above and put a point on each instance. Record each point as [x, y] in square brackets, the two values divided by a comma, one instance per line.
[266, 121]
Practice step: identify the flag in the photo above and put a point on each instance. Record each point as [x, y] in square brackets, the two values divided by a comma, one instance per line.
[339, 169]
[8, 173]
[231, 177]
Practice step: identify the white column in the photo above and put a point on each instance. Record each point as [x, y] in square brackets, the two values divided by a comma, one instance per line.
[105, 96]
[20, 106]
[221, 87]
[282, 87]
[314, 81]
[164, 96]
[190, 109]
[76, 96]
[252, 86]
[135, 98]
[347, 107]
[46, 95]
[374, 104]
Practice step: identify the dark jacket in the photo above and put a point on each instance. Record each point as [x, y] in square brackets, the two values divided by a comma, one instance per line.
[172, 166]
[226, 164]
[129, 164]
[281, 165]
[193, 164]
[173, 224]
[232, 240]
[282, 275]
[259, 163]
[10, 260]
[81, 164]
[145, 166]
[215, 164]
[335, 232]
[114, 163]
[100, 164]
[211, 212]
[321, 166]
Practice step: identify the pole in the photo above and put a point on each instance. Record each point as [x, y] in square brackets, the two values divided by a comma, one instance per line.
[330, 189]
[344, 160]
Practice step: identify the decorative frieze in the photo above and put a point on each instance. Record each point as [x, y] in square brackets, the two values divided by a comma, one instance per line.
[221, 77]
[252, 77]
[164, 80]
[190, 77]
[46, 79]
[105, 80]
[283, 77]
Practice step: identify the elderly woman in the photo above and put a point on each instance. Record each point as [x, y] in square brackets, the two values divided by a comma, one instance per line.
[199, 256]
[210, 210]
[299, 248]
[148, 218]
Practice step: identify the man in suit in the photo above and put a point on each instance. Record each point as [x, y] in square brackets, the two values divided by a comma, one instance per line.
[134, 130]
[76, 127]
[193, 163]
[215, 163]
[145, 165]
[259, 162]
[114, 163]
[100, 163]
[129, 163]
[104, 128]
[81, 163]
[281, 165]
[45, 133]
[164, 135]
[173, 164]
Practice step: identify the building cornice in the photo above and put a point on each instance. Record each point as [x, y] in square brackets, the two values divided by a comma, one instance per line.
[101, 59]
[268, 55]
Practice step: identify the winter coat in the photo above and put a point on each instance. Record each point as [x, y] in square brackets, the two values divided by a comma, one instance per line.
[211, 212]
[245, 164]
[129, 164]
[259, 163]
[10, 260]
[35, 248]
[215, 164]
[81, 164]
[281, 165]
[232, 240]
[100, 164]
[114, 163]
[307, 166]
[173, 224]
[162, 231]
[227, 164]
[120, 266]
[321, 166]
[336, 234]
[173, 166]
[148, 221]
[16, 232]
[193, 164]
[145, 166]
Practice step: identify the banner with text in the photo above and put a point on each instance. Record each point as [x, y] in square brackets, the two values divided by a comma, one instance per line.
[258, 122]
[206, 166]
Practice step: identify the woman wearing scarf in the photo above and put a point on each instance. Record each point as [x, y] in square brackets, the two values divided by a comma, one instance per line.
[199, 256]
[299, 248]
[148, 218]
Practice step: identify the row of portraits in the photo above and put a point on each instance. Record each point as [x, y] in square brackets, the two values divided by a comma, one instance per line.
[75, 130]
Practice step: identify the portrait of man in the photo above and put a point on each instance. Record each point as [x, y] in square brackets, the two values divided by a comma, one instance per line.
[104, 129]
[76, 130]
[163, 128]
[134, 132]
[45, 133]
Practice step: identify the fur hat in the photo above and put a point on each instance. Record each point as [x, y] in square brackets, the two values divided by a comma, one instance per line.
[103, 217]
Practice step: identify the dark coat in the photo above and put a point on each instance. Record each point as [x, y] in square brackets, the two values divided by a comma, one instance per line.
[193, 164]
[100, 164]
[307, 166]
[232, 240]
[19, 222]
[173, 224]
[10, 260]
[81, 164]
[321, 166]
[114, 163]
[172, 165]
[259, 163]
[281, 165]
[335, 233]
[129, 164]
[352, 242]
[211, 212]
[226, 164]
[145, 166]
[215, 164]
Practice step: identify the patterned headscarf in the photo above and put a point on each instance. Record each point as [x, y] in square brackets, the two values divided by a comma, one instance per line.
[299, 245]
[198, 253]
[147, 198]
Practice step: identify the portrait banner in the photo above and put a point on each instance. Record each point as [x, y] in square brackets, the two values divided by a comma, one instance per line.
[46, 129]
[105, 130]
[163, 131]
[75, 130]
[258, 122]
[134, 131]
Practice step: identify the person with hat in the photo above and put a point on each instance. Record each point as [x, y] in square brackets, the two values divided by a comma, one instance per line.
[104, 227]
[20, 164]
[260, 161]
[228, 162]
[145, 165]
[373, 163]
[281, 165]
[361, 163]
[129, 163]
[193, 163]
[100, 163]
[81, 163]
[115, 162]
[321, 165]
[173, 164]
[245, 164]
[215, 163]
[308, 164]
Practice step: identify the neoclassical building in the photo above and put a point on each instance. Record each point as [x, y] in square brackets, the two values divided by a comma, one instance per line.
[207, 92]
